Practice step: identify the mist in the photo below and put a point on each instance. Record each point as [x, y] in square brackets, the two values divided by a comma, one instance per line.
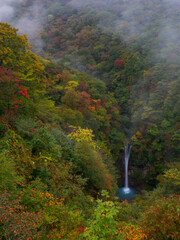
[29, 22]
[7, 10]
[129, 22]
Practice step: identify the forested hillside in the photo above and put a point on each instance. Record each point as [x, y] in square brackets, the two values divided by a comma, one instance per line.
[98, 74]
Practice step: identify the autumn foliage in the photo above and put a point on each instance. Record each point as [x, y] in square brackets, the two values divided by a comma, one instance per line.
[131, 232]
[65, 116]
[16, 222]
[15, 91]
[118, 63]
[162, 219]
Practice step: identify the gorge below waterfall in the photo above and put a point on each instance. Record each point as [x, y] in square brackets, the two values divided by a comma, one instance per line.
[126, 192]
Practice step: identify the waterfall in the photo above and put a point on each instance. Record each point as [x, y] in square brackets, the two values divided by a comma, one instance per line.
[126, 161]
[126, 192]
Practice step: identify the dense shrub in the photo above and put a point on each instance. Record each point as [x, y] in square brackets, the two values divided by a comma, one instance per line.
[161, 220]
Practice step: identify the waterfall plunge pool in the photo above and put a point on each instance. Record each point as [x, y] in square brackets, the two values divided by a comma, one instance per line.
[126, 193]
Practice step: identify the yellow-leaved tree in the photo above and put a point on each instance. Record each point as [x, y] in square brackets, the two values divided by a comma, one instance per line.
[90, 161]
[15, 55]
[29, 84]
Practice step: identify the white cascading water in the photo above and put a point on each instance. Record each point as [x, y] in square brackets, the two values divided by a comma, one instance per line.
[126, 192]
[126, 158]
